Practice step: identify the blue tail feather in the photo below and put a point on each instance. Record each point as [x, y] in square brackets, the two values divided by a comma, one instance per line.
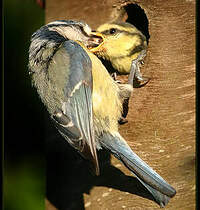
[156, 185]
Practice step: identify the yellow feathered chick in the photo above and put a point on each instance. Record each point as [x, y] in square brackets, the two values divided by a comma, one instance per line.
[125, 47]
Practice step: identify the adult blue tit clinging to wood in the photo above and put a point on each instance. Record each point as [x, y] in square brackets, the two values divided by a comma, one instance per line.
[83, 99]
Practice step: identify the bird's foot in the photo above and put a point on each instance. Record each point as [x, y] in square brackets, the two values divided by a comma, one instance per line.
[135, 77]
[114, 76]
[122, 120]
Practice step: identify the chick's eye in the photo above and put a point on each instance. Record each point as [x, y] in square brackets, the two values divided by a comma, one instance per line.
[112, 31]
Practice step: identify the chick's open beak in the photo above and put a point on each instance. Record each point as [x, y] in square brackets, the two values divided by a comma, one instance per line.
[95, 41]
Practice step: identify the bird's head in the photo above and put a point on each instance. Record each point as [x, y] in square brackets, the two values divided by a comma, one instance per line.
[46, 40]
[120, 39]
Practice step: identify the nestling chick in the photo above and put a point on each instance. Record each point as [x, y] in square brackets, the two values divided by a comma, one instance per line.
[124, 46]
[82, 98]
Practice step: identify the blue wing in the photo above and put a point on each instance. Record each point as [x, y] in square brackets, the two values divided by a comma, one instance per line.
[74, 119]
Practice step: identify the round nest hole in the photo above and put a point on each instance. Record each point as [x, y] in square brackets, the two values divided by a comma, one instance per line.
[137, 17]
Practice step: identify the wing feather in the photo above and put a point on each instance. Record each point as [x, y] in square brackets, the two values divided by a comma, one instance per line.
[74, 119]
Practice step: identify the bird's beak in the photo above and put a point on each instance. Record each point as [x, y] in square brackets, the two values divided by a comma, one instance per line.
[95, 41]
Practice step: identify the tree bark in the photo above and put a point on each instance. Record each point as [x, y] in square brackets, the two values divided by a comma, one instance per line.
[161, 118]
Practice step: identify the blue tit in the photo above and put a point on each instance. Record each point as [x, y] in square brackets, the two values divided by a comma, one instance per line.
[83, 99]
[125, 48]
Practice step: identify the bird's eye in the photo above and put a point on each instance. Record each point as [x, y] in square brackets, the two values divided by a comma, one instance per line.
[112, 31]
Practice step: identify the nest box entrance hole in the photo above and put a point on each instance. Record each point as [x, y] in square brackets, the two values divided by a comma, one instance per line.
[137, 17]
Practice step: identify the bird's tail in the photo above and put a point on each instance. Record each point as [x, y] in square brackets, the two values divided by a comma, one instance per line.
[157, 186]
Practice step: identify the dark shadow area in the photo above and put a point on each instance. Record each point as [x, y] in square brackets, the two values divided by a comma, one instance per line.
[22, 107]
[68, 175]
[138, 18]
[23, 183]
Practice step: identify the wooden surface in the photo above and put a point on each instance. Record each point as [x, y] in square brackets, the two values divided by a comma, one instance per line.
[161, 120]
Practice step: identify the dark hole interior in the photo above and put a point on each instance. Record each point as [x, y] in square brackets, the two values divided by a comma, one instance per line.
[138, 18]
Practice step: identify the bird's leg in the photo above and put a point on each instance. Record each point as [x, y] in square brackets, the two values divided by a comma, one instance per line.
[114, 76]
[125, 94]
[122, 120]
[135, 77]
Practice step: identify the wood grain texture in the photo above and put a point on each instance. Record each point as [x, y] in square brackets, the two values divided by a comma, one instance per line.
[161, 119]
